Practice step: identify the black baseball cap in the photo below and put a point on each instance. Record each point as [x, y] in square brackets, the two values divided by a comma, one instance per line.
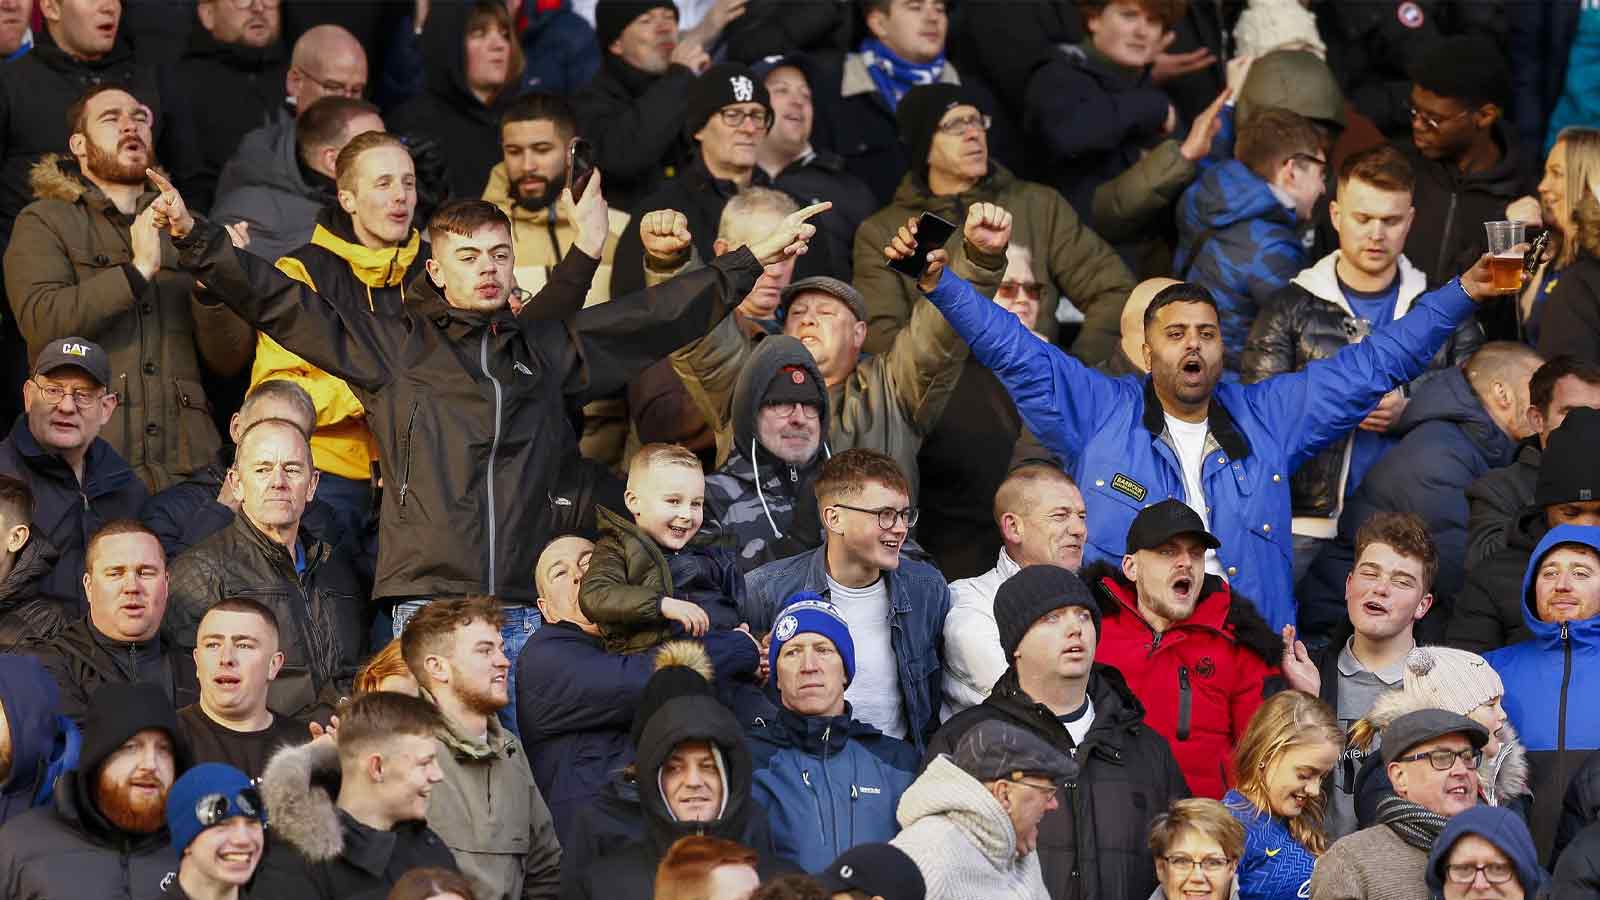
[77, 352]
[1155, 525]
[878, 870]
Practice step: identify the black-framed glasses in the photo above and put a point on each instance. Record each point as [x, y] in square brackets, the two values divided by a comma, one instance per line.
[1211, 865]
[735, 118]
[214, 808]
[1432, 123]
[1308, 158]
[888, 515]
[1466, 873]
[958, 127]
[334, 87]
[53, 394]
[1445, 760]
[785, 410]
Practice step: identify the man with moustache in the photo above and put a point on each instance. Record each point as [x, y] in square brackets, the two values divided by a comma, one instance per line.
[1042, 520]
[264, 553]
[120, 639]
[86, 258]
[106, 834]
[237, 658]
[77, 480]
[488, 810]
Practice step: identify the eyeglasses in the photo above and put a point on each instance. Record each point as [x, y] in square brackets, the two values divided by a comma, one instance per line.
[785, 410]
[213, 808]
[332, 87]
[1041, 788]
[959, 126]
[735, 118]
[1308, 158]
[1430, 123]
[888, 515]
[1445, 760]
[1033, 290]
[53, 393]
[1182, 865]
[1466, 873]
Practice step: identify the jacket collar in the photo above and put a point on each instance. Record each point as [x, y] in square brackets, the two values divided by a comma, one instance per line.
[37, 557]
[1210, 614]
[1005, 566]
[381, 268]
[1584, 632]
[1322, 281]
[427, 300]
[365, 847]
[314, 551]
[818, 734]
[1218, 422]
[856, 80]
[495, 745]
[103, 470]
[1116, 710]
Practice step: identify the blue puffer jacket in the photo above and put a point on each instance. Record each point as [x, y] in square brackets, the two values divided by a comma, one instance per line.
[828, 783]
[1238, 240]
[1113, 430]
[1551, 682]
[920, 600]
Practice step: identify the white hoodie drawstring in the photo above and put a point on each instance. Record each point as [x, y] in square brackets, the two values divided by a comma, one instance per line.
[756, 474]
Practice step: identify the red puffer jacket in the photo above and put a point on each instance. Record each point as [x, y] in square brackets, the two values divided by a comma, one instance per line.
[1201, 680]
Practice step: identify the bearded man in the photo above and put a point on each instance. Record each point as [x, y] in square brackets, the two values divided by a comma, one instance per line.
[106, 833]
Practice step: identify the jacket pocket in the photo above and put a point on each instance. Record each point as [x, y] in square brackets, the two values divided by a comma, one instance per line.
[1185, 703]
[197, 438]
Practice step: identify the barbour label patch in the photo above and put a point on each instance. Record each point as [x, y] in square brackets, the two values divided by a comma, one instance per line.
[1125, 485]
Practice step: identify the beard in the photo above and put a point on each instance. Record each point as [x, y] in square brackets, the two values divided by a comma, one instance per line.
[481, 702]
[539, 202]
[134, 815]
[107, 166]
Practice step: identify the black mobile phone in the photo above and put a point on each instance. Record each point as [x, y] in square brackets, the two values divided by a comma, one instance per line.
[580, 165]
[932, 233]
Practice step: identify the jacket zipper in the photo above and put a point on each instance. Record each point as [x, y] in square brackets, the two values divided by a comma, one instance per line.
[1449, 226]
[494, 450]
[1184, 703]
[1561, 711]
[833, 811]
[405, 467]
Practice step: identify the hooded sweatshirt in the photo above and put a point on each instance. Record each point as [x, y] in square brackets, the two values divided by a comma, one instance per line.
[1504, 830]
[1550, 682]
[267, 185]
[39, 742]
[756, 503]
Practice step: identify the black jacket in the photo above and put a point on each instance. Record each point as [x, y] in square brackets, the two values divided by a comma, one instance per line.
[217, 93]
[771, 27]
[1488, 611]
[70, 849]
[1577, 871]
[1569, 321]
[81, 660]
[1447, 236]
[321, 613]
[627, 871]
[635, 121]
[469, 410]
[65, 512]
[1495, 499]
[35, 92]
[316, 851]
[25, 613]
[1309, 319]
[860, 128]
[1580, 807]
[1539, 47]
[266, 184]
[823, 176]
[466, 129]
[1095, 844]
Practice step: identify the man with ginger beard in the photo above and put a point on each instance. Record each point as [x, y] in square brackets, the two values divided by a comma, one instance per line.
[106, 834]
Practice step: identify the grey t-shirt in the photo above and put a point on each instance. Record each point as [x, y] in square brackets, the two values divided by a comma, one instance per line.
[1358, 690]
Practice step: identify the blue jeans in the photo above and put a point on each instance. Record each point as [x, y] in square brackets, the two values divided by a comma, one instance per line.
[521, 621]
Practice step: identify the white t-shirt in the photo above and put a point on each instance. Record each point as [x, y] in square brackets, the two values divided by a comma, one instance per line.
[1079, 723]
[1190, 439]
[874, 694]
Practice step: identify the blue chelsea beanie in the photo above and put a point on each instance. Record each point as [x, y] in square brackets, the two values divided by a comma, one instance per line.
[808, 613]
[208, 780]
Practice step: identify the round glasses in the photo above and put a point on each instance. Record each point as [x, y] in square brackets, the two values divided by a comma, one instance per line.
[888, 515]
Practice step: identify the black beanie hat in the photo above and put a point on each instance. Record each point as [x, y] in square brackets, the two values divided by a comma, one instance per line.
[1465, 67]
[918, 117]
[683, 669]
[612, 17]
[1569, 470]
[119, 711]
[1029, 595]
[724, 84]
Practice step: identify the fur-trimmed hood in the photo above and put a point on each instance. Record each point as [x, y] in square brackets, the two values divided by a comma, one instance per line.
[299, 786]
[1241, 623]
[56, 176]
[1504, 777]
[690, 655]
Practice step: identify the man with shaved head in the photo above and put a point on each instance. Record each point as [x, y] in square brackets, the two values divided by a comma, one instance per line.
[1042, 520]
[264, 554]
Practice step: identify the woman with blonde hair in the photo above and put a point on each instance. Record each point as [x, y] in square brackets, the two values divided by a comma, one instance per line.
[1570, 210]
[1283, 758]
[1197, 845]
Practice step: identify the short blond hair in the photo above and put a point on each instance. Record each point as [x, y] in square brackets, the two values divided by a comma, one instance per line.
[1202, 816]
[651, 455]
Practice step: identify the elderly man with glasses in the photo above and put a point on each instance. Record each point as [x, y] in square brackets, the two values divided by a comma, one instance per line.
[1432, 757]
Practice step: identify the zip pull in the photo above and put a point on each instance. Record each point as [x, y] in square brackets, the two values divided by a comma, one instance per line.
[794, 476]
[828, 729]
[854, 795]
[805, 776]
[1563, 632]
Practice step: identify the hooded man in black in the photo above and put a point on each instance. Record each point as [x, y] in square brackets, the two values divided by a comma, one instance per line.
[106, 835]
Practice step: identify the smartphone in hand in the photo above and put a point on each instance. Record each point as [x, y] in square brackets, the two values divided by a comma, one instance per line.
[932, 233]
[580, 165]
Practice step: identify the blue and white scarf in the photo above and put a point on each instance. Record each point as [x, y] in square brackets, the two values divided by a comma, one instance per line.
[893, 75]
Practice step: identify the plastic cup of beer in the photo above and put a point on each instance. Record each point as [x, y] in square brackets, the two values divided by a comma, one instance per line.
[1505, 261]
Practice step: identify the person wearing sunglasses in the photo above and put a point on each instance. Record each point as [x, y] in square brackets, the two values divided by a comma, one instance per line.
[1486, 853]
[1432, 757]
[216, 819]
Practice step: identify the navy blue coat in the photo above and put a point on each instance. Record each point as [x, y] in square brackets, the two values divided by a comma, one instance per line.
[828, 783]
[43, 743]
[1447, 440]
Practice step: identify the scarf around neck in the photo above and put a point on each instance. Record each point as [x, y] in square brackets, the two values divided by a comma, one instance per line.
[893, 75]
[1415, 824]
